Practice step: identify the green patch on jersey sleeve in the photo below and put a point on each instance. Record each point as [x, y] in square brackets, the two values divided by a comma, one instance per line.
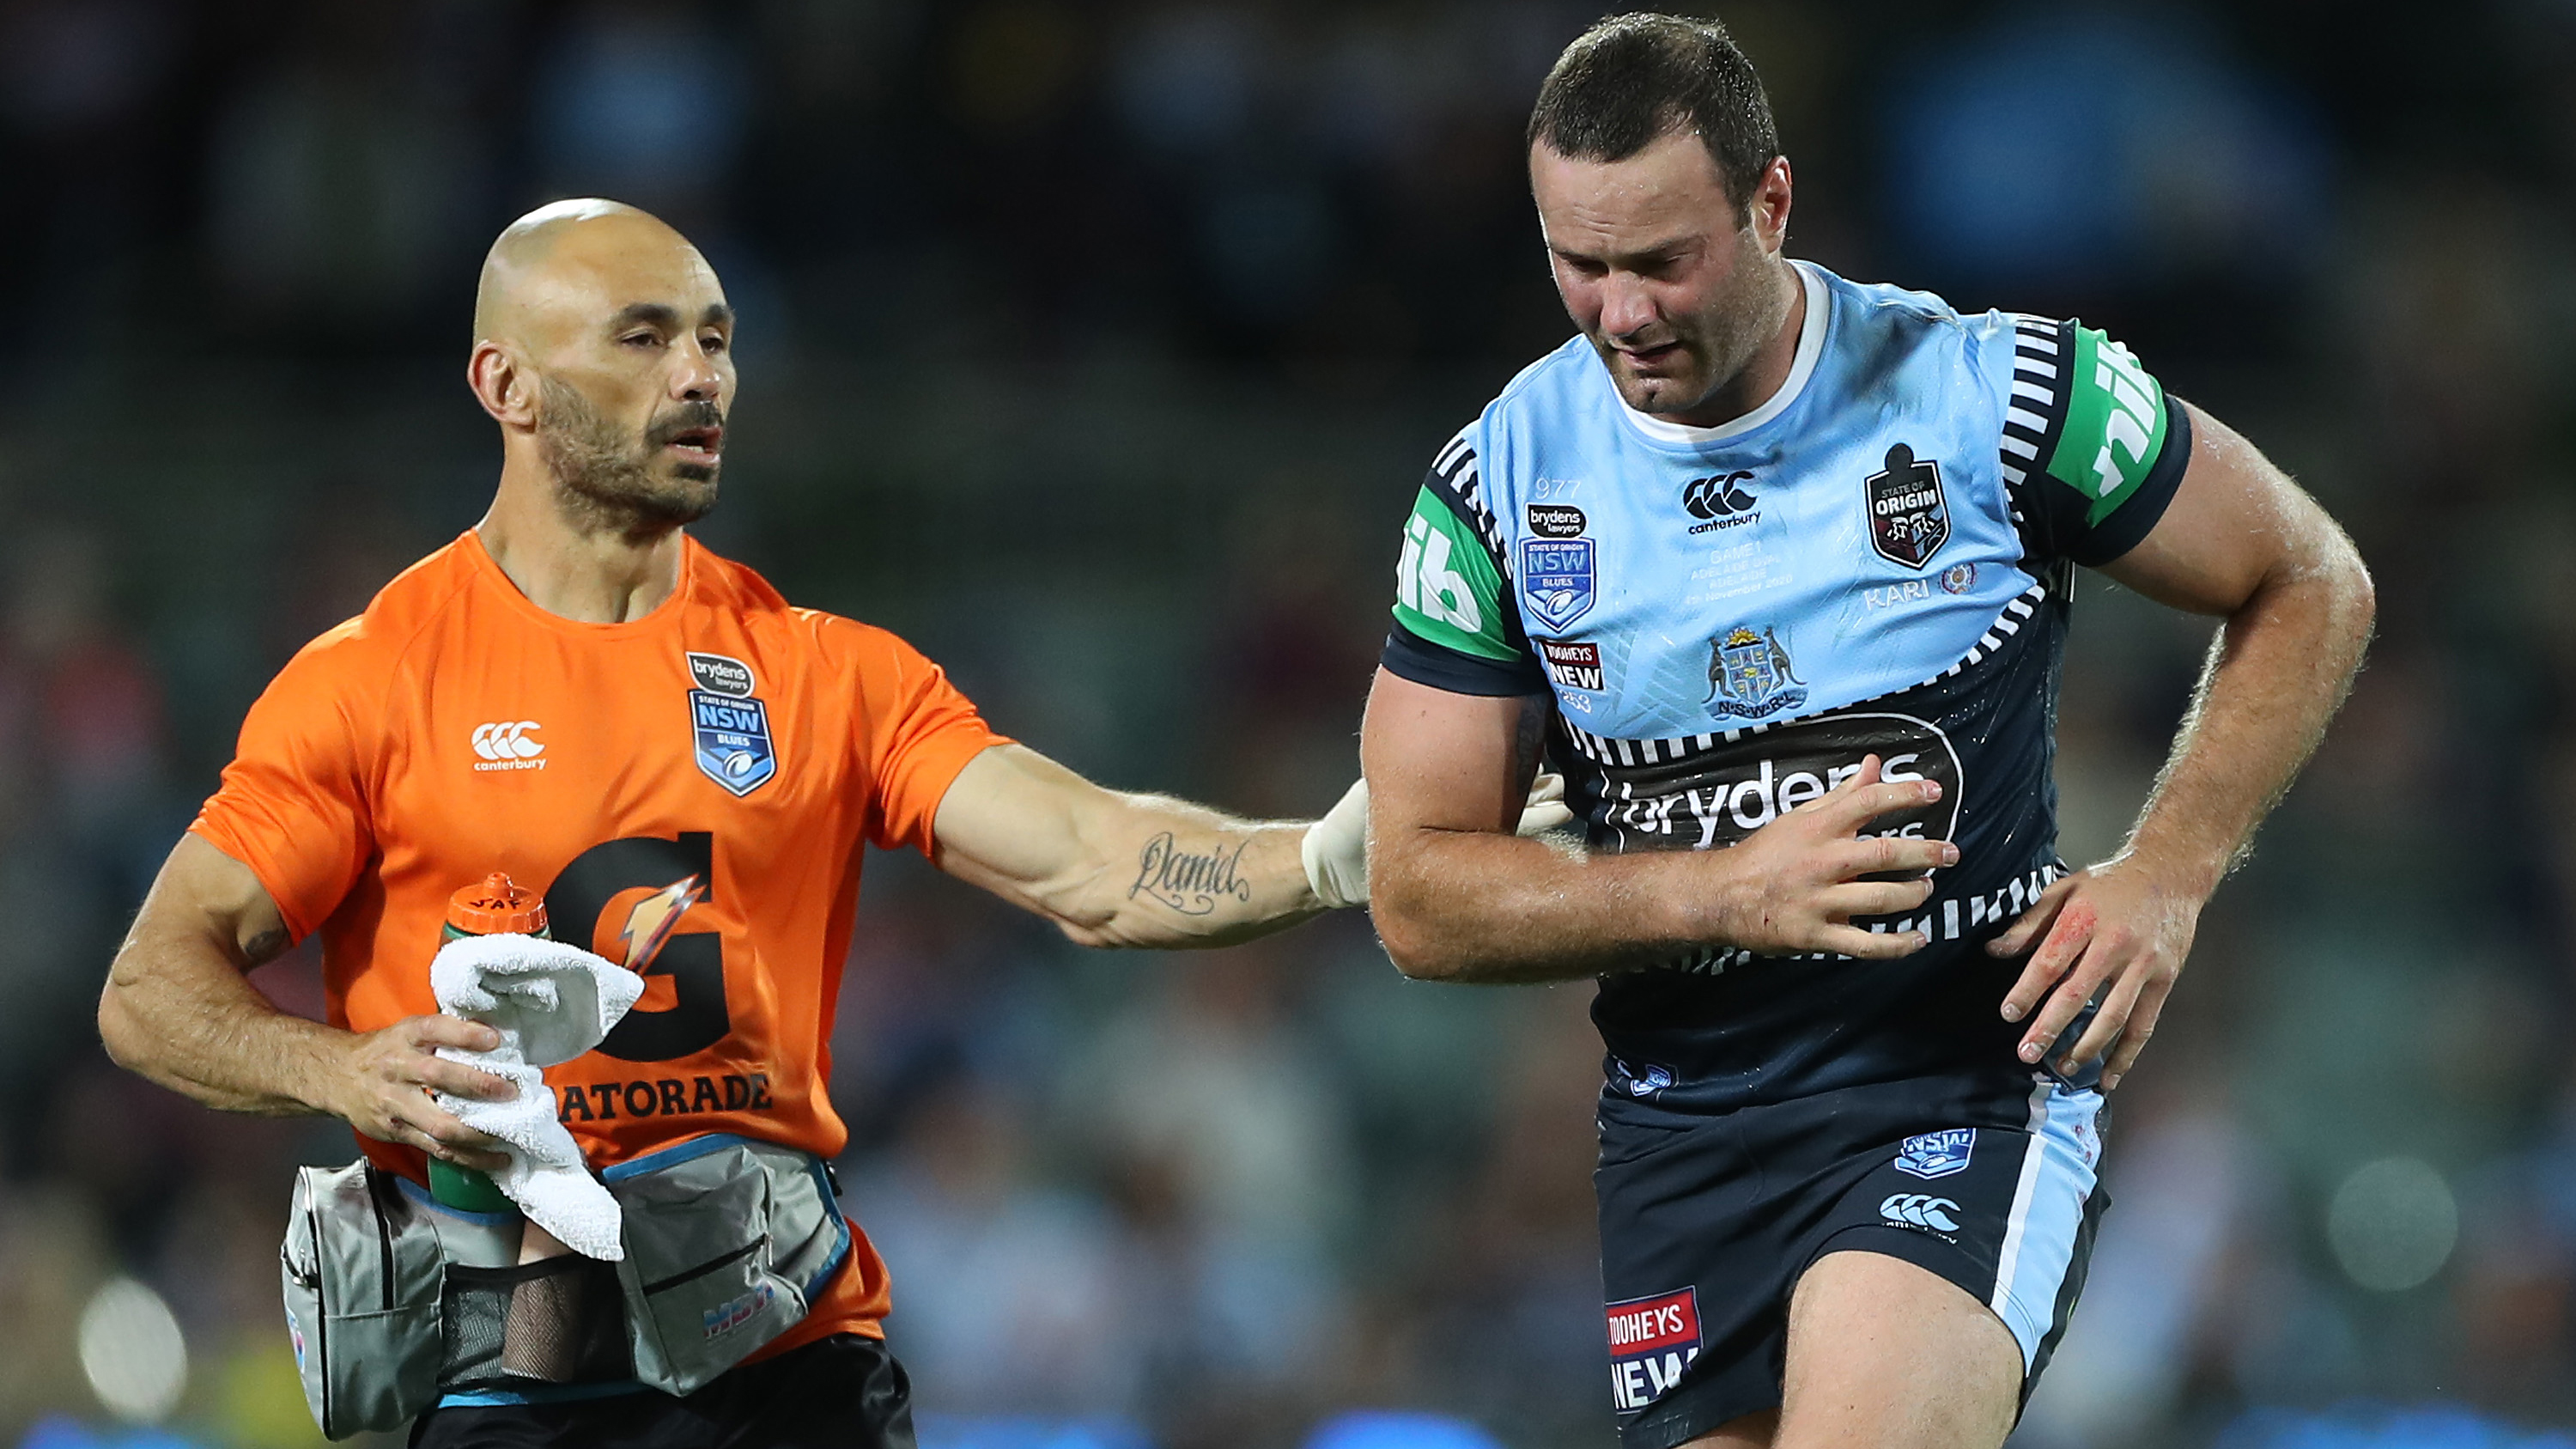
[1447, 589]
[2115, 425]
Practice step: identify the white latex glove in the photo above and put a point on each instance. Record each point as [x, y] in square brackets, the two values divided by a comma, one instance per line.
[1336, 847]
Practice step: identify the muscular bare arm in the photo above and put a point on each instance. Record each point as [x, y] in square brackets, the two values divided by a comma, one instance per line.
[1457, 897]
[178, 1010]
[1114, 869]
[2239, 540]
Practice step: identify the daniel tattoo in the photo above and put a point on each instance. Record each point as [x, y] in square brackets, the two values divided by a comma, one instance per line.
[1189, 883]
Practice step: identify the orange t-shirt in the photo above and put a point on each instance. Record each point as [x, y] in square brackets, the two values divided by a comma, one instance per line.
[724, 756]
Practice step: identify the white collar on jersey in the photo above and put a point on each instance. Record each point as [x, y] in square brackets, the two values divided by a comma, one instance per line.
[1811, 346]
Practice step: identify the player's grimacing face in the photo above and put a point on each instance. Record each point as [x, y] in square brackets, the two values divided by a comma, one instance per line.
[1657, 266]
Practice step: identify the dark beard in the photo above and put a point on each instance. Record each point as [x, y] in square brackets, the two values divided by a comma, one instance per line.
[608, 478]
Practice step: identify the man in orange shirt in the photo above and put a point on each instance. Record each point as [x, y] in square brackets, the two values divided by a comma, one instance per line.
[577, 693]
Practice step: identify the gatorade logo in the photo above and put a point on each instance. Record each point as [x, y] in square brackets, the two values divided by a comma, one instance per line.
[509, 745]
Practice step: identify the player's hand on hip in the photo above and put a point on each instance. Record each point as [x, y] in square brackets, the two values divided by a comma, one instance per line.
[2113, 930]
[1800, 880]
[386, 1078]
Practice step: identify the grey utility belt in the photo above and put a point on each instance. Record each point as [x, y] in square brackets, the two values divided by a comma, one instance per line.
[394, 1299]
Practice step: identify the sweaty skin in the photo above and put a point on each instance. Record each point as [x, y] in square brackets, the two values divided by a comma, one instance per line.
[1691, 306]
[1676, 286]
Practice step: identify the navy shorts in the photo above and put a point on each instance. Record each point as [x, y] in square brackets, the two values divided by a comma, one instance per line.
[841, 1392]
[1707, 1223]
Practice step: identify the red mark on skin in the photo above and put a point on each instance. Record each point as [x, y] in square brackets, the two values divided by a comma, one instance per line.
[2077, 919]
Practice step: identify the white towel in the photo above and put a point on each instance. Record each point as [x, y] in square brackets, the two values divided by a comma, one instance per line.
[550, 1002]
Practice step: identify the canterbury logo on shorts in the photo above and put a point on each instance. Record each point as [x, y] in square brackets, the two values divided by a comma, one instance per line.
[1921, 1210]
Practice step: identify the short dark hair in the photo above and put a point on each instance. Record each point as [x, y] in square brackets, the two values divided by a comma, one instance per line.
[1635, 78]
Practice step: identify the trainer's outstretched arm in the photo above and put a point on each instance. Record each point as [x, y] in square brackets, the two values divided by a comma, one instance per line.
[1457, 898]
[177, 1010]
[2240, 540]
[1114, 869]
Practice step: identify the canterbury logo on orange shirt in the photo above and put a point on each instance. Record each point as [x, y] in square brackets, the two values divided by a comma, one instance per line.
[507, 745]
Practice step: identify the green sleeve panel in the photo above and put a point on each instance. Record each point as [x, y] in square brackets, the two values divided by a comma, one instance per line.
[2115, 428]
[1447, 590]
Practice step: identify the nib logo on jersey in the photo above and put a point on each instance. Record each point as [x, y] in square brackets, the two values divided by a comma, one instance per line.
[1652, 1340]
[729, 727]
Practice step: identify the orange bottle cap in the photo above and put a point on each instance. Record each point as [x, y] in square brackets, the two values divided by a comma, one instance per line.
[496, 906]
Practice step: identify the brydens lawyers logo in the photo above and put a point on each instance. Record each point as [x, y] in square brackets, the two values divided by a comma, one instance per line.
[1556, 520]
[509, 745]
[1652, 1340]
[720, 675]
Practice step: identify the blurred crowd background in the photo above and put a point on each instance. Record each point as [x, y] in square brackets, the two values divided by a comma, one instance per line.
[1098, 349]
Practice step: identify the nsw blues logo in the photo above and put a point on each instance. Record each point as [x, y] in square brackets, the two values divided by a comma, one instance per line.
[732, 742]
[1749, 675]
[1936, 1154]
[1557, 579]
[1639, 1081]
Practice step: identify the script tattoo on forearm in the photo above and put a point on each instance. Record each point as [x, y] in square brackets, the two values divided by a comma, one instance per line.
[1188, 882]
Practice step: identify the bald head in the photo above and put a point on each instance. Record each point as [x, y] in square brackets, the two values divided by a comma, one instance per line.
[602, 339]
[568, 258]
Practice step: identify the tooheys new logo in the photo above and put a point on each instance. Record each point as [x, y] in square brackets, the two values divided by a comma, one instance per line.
[1572, 666]
[1652, 1340]
[1719, 796]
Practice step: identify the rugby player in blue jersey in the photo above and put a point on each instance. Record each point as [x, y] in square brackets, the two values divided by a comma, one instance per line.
[1775, 567]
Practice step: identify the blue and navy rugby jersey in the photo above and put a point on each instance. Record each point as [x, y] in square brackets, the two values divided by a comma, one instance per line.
[1728, 619]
